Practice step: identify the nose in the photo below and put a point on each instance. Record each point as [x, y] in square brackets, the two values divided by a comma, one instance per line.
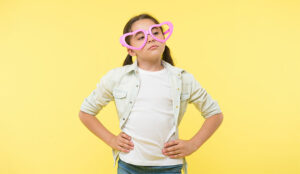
[150, 38]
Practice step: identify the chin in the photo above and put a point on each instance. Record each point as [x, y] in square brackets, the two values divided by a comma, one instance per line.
[156, 54]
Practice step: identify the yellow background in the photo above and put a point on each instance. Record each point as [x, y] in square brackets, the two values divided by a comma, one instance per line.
[244, 53]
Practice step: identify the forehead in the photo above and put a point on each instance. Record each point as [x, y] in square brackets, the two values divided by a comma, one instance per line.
[142, 24]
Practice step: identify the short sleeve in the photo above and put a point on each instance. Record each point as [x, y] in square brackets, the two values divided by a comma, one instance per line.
[100, 96]
[202, 100]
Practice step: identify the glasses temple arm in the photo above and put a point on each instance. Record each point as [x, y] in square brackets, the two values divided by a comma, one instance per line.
[167, 31]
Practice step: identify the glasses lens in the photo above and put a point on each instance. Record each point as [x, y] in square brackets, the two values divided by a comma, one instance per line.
[136, 40]
[157, 33]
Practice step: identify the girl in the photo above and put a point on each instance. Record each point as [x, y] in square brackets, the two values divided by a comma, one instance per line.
[151, 96]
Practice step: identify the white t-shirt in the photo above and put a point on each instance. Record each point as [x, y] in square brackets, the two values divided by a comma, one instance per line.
[151, 121]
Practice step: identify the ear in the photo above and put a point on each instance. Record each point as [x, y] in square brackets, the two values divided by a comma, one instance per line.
[131, 52]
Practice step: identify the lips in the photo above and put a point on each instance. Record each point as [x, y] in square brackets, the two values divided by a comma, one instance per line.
[153, 46]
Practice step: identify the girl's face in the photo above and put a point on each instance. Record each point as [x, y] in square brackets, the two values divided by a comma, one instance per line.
[146, 53]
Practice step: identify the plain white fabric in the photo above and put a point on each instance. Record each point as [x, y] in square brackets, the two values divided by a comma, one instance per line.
[151, 121]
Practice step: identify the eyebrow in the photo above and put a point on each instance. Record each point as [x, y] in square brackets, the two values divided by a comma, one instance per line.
[138, 33]
[152, 28]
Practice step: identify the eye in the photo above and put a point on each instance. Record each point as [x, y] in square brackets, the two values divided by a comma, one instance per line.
[156, 33]
[140, 38]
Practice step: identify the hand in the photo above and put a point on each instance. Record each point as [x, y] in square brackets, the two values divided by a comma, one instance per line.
[178, 148]
[122, 142]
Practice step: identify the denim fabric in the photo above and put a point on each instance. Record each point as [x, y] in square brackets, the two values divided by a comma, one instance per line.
[126, 168]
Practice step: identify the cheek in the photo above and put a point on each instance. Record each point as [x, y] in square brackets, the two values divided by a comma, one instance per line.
[163, 47]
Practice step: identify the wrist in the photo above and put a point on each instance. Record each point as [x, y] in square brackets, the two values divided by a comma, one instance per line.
[195, 145]
[110, 140]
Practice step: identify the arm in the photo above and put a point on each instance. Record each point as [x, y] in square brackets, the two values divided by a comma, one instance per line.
[212, 113]
[209, 109]
[209, 126]
[95, 102]
[91, 106]
[121, 142]
[180, 148]
[96, 127]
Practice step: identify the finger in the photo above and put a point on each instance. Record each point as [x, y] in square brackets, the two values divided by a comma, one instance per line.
[171, 148]
[127, 142]
[174, 152]
[127, 136]
[124, 148]
[175, 156]
[171, 143]
[124, 135]
[125, 145]
[120, 148]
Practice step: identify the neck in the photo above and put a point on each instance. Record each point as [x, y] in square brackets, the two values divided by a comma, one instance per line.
[147, 65]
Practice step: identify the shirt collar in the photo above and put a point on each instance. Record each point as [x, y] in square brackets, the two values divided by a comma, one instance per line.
[167, 65]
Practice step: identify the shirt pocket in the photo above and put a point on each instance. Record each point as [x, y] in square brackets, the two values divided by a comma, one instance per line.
[120, 97]
[119, 93]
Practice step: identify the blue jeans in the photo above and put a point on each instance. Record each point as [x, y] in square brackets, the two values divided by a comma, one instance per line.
[126, 168]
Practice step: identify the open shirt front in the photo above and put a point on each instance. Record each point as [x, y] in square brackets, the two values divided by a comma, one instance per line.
[122, 84]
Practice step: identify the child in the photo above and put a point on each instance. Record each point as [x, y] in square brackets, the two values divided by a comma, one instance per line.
[151, 96]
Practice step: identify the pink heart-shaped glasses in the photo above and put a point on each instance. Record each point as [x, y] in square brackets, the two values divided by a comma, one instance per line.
[149, 31]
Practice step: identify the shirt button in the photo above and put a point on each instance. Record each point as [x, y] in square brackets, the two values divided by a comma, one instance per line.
[178, 89]
[123, 118]
[137, 85]
[176, 106]
[130, 102]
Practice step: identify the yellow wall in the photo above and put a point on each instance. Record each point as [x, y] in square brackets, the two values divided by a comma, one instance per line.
[244, 53]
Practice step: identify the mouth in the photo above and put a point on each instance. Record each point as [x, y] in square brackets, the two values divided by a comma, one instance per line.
[153, 47]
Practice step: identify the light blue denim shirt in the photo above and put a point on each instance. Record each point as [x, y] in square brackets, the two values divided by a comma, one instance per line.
[122, 84]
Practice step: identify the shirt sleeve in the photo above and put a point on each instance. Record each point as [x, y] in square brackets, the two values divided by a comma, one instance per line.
[100, 96]
[202, 100]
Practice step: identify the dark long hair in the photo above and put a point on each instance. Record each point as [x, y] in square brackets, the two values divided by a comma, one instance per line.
[166, 54]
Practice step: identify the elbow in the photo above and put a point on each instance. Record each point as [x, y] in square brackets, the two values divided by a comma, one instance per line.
[220, 116]
[80, 115]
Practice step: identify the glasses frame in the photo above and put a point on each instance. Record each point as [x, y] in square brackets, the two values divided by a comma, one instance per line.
[170, 30]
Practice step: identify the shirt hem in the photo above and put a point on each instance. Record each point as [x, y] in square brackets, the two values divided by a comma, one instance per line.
[143, 163]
